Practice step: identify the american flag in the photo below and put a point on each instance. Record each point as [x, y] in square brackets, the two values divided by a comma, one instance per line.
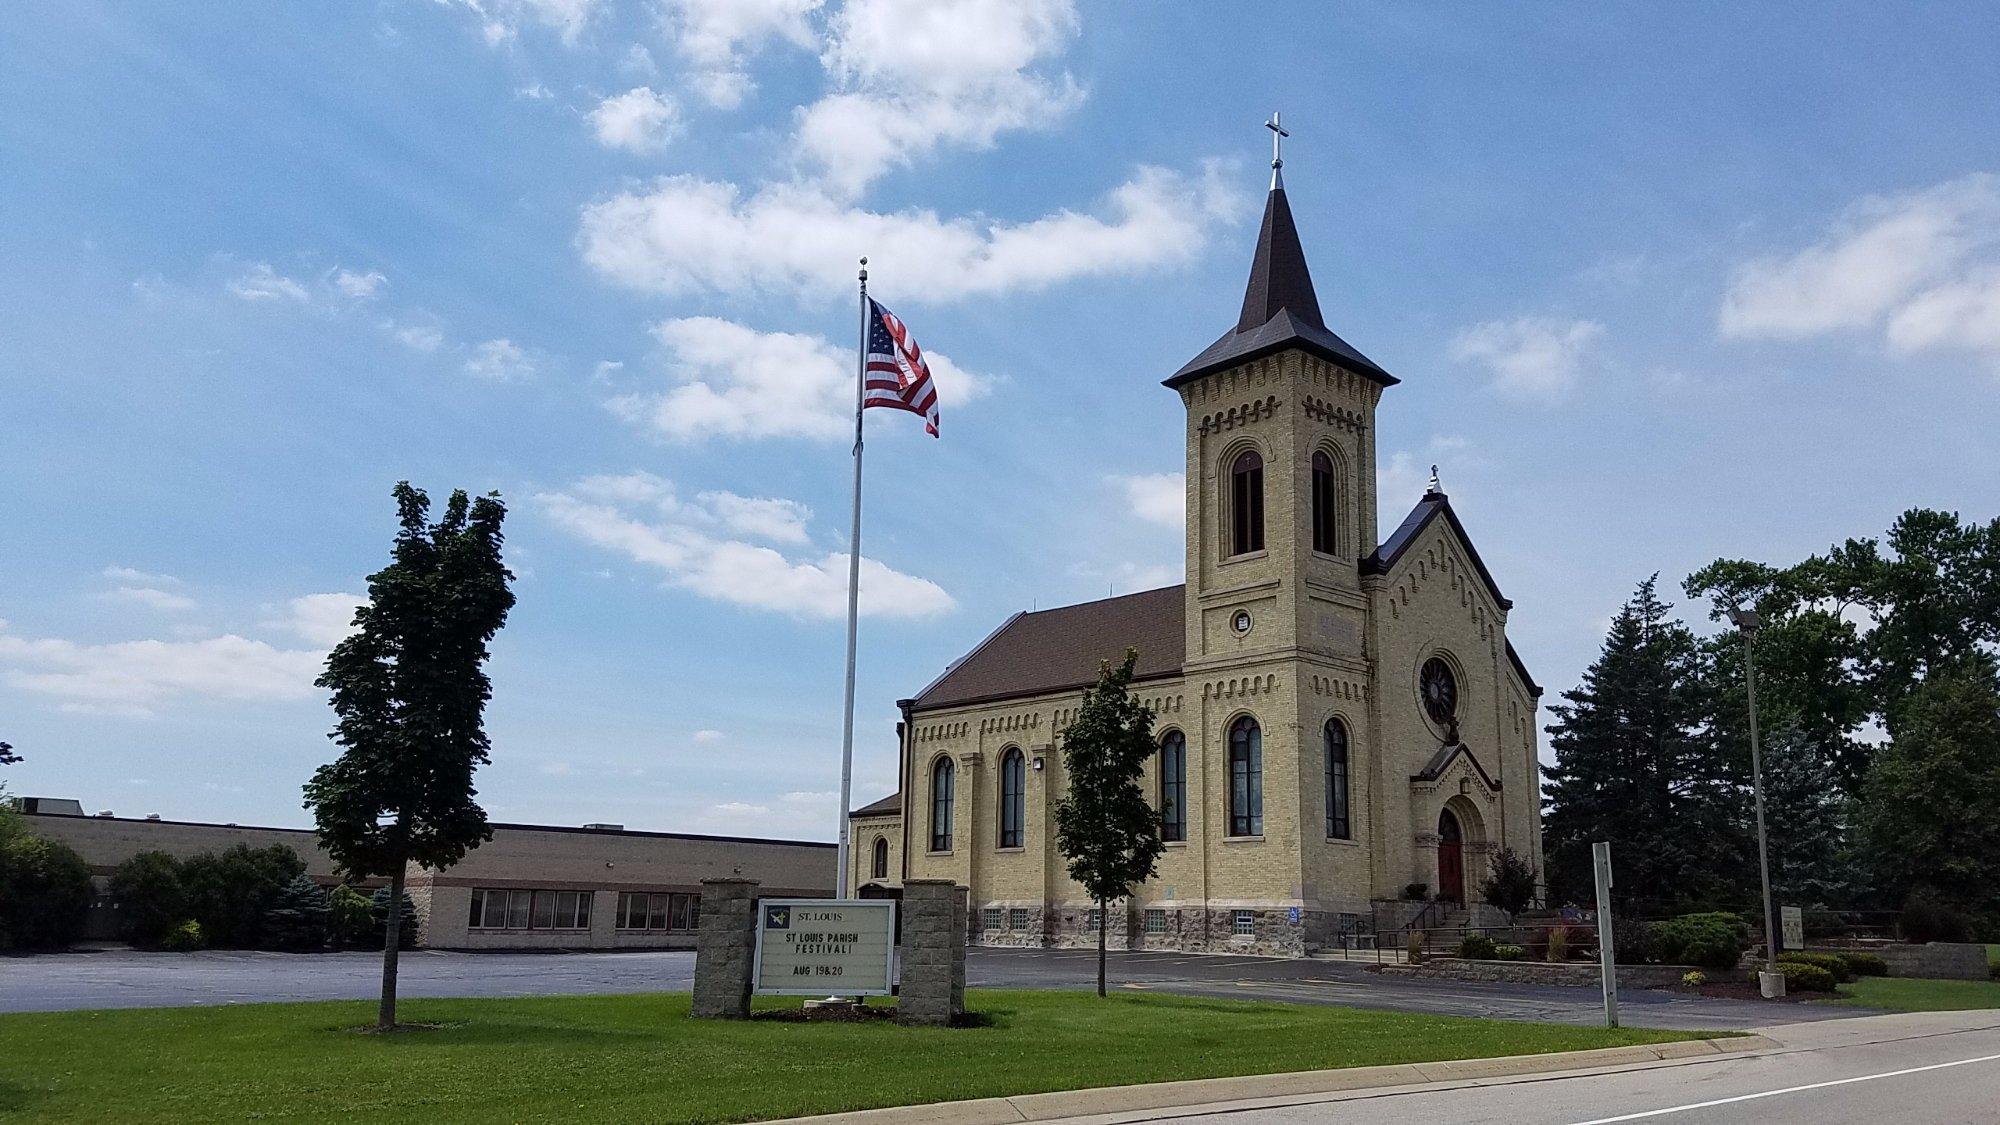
[897, 376]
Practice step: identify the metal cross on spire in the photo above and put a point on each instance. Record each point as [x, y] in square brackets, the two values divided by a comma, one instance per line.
[1278, 134]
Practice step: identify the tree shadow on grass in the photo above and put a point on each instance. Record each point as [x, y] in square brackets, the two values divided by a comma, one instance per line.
[15, 1097]
[416, 1035]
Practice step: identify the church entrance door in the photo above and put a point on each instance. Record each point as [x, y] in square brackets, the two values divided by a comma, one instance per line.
[1451, 858]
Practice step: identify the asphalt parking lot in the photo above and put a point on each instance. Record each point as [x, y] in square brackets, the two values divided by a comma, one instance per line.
[129, 979]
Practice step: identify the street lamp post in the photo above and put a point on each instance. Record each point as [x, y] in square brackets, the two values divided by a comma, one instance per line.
[1772, 982]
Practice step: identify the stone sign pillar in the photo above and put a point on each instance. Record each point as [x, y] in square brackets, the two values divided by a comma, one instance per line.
[933, 988]
[725, 949]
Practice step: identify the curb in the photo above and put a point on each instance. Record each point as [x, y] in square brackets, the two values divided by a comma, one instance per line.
[1205, 1091]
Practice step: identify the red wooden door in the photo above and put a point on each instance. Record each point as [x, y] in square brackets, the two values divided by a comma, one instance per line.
[1451, 859]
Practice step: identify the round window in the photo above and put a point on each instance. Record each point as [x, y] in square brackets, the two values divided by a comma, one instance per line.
[1242, 621]
[1440, 691]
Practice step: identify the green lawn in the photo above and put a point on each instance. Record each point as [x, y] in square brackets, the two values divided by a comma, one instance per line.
[1903, 994]
[639, 1058]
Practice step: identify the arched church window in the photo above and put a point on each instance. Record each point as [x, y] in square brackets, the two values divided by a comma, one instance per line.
[880, 865]
[1013, 791]
[1338, 826]
[1173, 786]
[1325, 499]
[1246, 778]
[941, 795]
[1246, 503]
[1439, 689]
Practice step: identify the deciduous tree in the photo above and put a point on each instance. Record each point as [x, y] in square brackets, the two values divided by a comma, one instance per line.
[410, 690]
[1105, 828]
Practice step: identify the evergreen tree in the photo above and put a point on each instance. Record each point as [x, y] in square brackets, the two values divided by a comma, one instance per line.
[1932, 799]
[1105, 828]
[378, 920]
[410, 691]
[297, 917]
[1637, 765]
[1807, 819]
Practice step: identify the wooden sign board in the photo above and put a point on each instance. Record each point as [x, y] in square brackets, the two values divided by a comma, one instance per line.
[823, 946]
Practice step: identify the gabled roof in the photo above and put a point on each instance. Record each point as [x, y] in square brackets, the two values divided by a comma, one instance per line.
[1441, 760]
[887, 806]
[1280, 309]
[1060, 649]
[1433, 505]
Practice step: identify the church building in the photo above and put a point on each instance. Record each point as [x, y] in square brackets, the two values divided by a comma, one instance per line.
[1343, 727]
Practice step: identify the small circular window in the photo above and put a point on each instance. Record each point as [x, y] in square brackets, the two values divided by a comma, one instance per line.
[1440, 691]
[1241, 623]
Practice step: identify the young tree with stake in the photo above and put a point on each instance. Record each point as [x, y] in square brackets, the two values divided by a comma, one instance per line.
[410, 689]
[1105, 828]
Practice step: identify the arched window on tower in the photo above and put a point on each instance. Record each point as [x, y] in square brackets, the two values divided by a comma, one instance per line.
[1326, 500]
[941, 785]
[880, 866]
[1013, 791]
[1246, 503]
[1338, 824]
[1173, 787]
[1246, 778]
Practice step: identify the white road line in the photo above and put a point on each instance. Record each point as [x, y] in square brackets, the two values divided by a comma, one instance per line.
[1786, 1090]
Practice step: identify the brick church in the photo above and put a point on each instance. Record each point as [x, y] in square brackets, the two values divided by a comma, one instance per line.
[1339, 718]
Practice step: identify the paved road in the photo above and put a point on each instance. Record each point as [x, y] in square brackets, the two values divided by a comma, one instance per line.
[1934, 1067]
[127, 979]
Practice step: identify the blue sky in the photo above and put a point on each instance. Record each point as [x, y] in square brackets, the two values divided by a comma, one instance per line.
[1661, 282]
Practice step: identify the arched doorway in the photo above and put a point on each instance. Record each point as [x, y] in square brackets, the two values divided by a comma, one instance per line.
[1451, 858]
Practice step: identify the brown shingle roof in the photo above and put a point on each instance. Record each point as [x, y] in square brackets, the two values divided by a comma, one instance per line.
[1060, 649]
[887, 806]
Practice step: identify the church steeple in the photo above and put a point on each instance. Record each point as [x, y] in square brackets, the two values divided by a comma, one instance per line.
[1280, 309]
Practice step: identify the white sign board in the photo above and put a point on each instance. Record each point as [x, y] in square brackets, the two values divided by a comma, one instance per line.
[817, 946]
[1792, 924]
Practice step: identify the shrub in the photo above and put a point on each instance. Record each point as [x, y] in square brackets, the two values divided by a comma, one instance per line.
[230, 891]
[1632, 942]
[1801, 977]
[184, 937]
[1507, 952]
[150, 899]
[406, 928]
[1558, 943]
[1512, 884]
[1694, 978]
[1713, 941]
[1831, 962]
[297, 917]
[1477, 947]
[45, 893]
[350, 919]
[1417, 892]
[1865, 965]
[1925, 919]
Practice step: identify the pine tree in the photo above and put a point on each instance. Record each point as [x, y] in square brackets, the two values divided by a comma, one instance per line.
[297, 917]
[1637, 765]
[1105, 828]
[1933, 796]
[410, 691]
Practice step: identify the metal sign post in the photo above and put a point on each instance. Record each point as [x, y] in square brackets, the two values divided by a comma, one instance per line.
[1607, 948]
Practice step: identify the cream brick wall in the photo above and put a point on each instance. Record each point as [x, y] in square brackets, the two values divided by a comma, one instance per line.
[862, 834]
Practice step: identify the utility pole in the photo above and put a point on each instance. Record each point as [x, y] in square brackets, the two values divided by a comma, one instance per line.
[1770, 981]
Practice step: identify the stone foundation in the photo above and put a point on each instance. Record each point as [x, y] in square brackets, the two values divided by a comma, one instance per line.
[1939, 960]
[1575, 974]
[1183, 928]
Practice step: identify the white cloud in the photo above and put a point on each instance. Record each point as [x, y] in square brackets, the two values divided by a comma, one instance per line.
[709, 737]
[1917, 251]
[133, 677]
[686, 235]
[499, 360]
[638, 516]
[735, 381]
[360, 286]
[418, 337]
[1159, 498]
[779, 521]
[915, 75]
[152, 597]
[321, 619]
[717, 37]
[1962, 314]
[501, 20]
[137, 577]
[1530, 357]
[534, 92]
[638, 120]
[262, 283]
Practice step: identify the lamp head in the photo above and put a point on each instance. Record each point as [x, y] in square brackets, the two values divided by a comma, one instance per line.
[1745, 620]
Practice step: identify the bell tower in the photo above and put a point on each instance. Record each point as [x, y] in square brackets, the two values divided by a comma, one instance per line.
[1280, 465]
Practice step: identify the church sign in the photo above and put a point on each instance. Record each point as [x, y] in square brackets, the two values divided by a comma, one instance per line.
[817, 946]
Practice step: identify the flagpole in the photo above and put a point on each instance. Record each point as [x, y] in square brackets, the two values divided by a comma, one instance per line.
[842, 881]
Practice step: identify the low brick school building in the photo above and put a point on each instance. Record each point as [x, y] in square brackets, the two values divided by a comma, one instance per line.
[533, 886]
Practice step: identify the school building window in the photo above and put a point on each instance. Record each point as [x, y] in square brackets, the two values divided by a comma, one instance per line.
[1244, 923]
[529, 910]
[669, 912]
[1156, 921]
